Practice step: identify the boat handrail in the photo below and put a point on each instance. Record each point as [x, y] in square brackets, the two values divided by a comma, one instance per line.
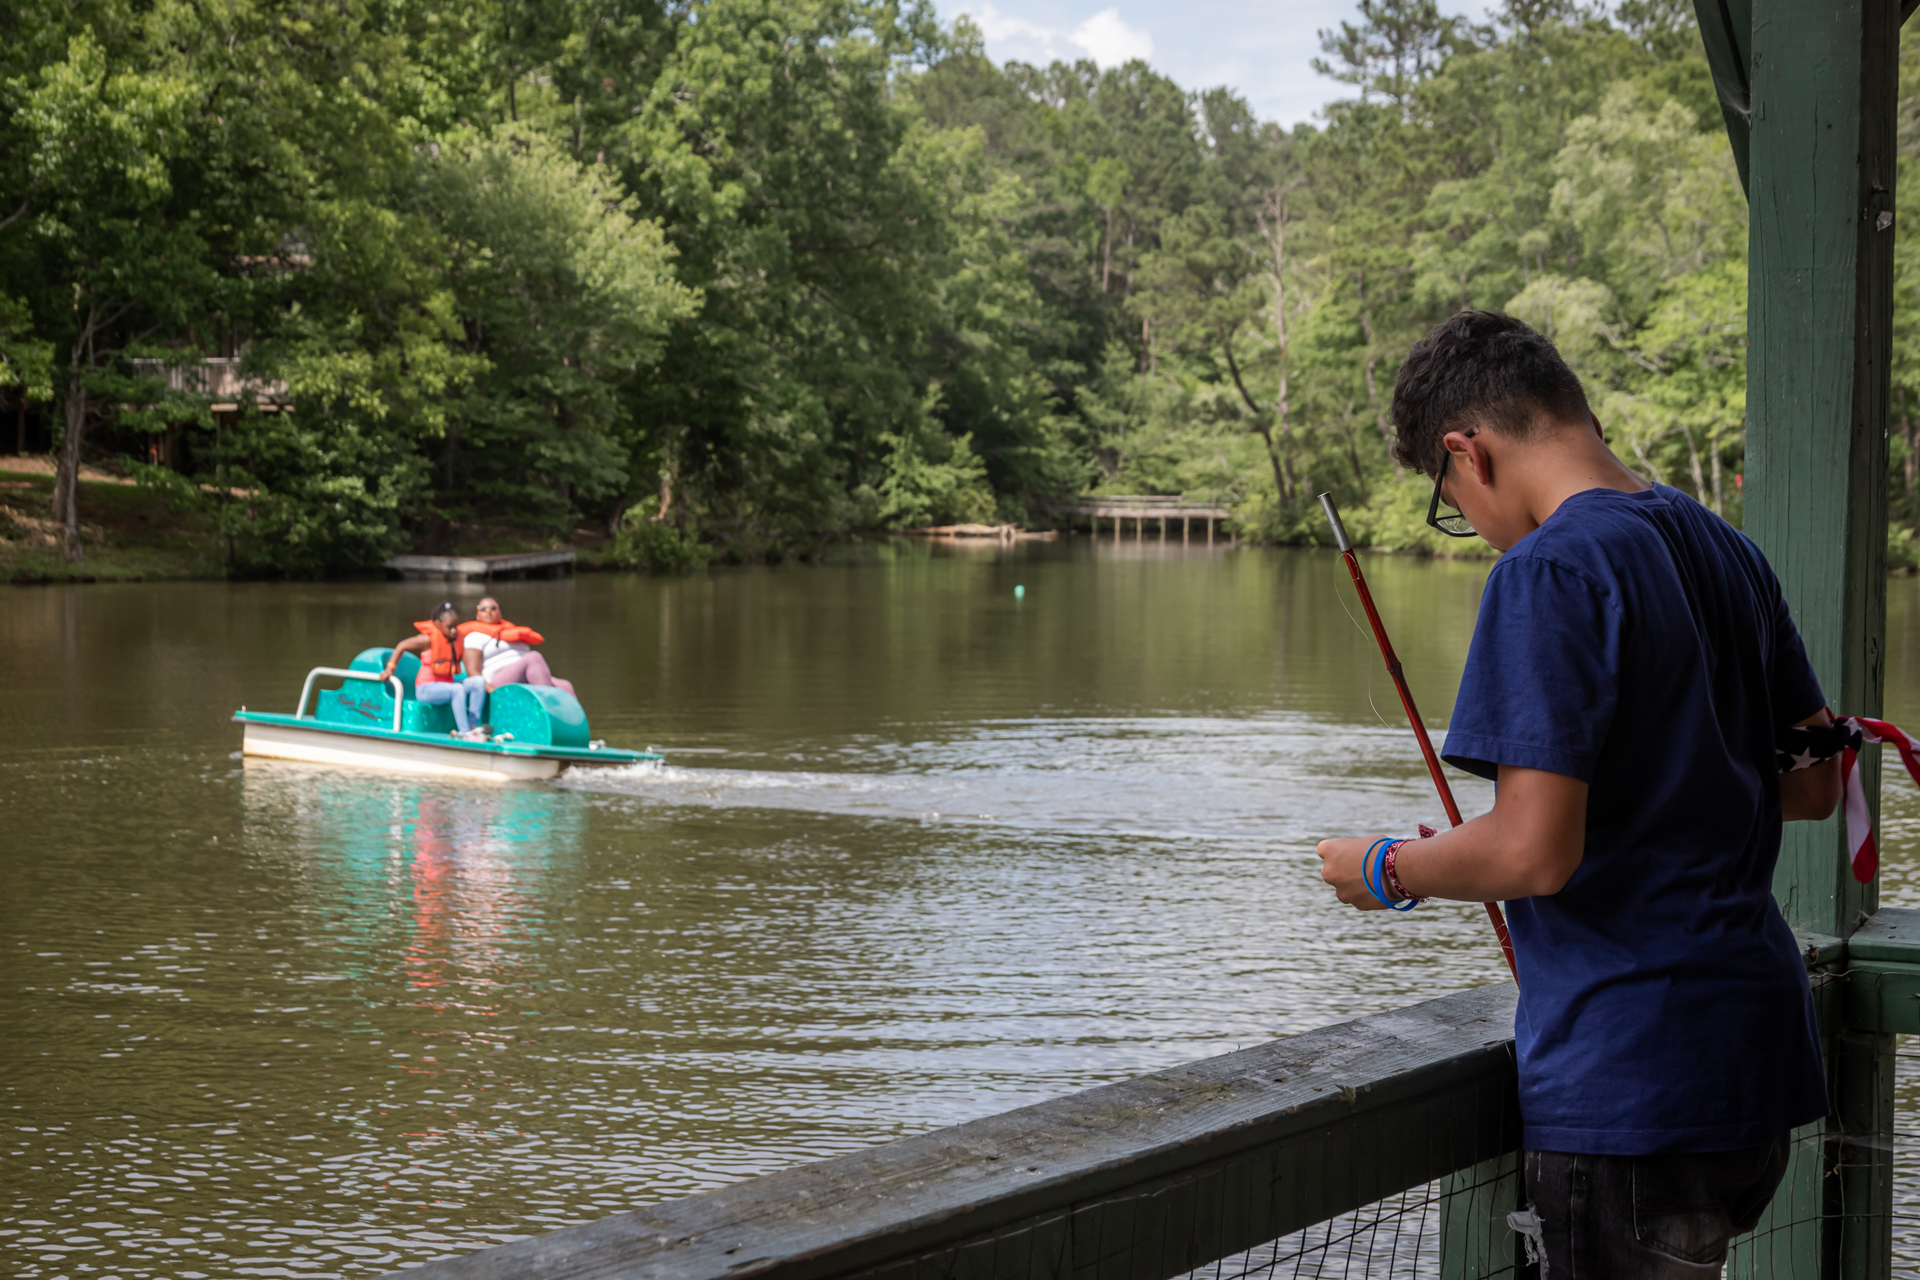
[399, 692]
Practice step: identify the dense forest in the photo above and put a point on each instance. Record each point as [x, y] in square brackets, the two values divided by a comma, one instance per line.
[737, 277]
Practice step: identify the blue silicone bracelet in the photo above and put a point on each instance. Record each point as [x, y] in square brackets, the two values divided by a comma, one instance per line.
[1373, 874]
[1378, 891]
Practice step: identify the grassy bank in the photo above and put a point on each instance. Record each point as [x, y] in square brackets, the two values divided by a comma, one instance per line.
[128, 534]
[135, 534]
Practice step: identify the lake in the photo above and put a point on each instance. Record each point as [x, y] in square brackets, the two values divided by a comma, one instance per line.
[922, 850]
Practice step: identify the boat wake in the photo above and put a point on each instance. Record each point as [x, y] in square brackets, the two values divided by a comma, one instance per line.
[1253, 779]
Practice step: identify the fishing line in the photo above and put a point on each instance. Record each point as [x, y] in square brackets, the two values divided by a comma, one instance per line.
[1494, 914]
[1364, 636]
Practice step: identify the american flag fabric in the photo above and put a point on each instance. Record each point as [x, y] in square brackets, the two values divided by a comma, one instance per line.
[1862, 850]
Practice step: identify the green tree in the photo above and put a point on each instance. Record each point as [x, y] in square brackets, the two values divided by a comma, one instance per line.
[564, 298]
[1396, 47]
[123, 260]
[1208, 290]
[756, 272]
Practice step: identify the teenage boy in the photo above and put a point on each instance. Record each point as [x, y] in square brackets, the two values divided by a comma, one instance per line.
[1632, 672]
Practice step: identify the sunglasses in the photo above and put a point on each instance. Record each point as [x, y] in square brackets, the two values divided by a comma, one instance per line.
[1455, 525]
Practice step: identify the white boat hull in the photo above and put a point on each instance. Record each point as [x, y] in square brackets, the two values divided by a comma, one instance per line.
[273, 742]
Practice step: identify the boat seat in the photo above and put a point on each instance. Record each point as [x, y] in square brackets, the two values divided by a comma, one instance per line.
[375, 660]
[418, 717]
[535, 715]
[539, 715]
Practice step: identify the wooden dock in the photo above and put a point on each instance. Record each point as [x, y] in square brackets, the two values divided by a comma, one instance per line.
[1140, 508]
[526, 564]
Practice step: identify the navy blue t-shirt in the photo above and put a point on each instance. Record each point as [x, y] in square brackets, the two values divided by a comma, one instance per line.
[1638, 642]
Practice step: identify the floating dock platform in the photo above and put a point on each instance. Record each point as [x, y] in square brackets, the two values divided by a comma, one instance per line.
[526, 564]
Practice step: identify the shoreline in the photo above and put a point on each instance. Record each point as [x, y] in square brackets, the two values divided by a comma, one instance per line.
[134, 534]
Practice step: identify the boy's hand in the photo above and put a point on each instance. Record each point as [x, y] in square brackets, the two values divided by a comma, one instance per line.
[1529, 845]
[1340, 867]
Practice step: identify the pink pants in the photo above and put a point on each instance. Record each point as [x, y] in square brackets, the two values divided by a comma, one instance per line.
[531, 669]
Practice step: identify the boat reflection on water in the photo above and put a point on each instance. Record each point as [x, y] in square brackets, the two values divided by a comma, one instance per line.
[450, 881]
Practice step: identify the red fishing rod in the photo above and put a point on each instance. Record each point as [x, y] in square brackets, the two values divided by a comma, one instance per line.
[1413, 715]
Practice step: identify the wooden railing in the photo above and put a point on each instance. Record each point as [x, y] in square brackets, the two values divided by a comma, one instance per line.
[218, 378]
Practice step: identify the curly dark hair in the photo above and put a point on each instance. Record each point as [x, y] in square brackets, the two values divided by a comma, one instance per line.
[1479, 368]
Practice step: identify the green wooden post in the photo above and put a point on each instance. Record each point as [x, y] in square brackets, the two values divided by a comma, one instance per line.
[1820, 179]
[1860, 1198]
[1820, 319]
[1475, 1241]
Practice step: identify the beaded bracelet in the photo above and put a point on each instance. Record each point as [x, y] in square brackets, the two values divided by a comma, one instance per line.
[1399, 890]
[1394, 901]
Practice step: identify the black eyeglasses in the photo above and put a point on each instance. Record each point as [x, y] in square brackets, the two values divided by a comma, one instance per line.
[1456, 525]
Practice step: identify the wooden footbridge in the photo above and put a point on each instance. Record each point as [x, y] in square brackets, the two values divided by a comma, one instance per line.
[1140, 508]
[1328, 1152]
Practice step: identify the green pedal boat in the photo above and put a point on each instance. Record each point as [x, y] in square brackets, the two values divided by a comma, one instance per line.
[369, 723]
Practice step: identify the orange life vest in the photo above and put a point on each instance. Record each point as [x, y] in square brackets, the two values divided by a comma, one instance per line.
[444, 658]
[503, 631]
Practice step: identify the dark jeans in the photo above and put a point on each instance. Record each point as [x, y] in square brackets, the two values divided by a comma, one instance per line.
[1644, 1217]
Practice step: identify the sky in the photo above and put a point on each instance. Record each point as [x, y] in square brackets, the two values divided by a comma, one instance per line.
[1262, 50]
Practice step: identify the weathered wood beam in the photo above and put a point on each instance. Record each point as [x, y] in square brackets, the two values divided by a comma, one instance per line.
[1726, 29]
[1140, 1180]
